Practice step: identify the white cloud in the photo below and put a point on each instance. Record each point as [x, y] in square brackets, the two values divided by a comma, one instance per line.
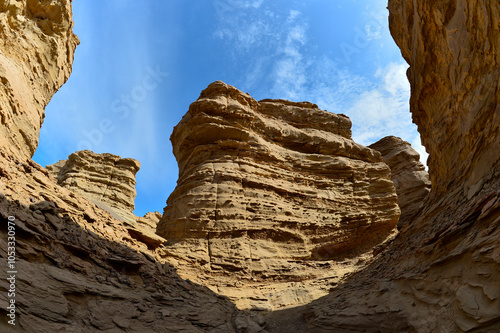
[378, 105]
[252, 3]
[290, 67]
[383, 109]
[243, 25]
[293, 15]
[279, 35]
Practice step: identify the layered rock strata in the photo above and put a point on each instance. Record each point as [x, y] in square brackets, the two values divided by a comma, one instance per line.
[442, 273]
[453, 52]
[78, 269]
[272, 191]
[105, 179]
[37, 45]
[108, 181]
[407, 173]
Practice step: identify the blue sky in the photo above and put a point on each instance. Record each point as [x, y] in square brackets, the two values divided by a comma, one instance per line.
[139, 66]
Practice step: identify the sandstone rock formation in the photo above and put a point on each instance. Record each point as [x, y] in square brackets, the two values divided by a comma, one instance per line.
[105, 179]
[407, 173]
[80, 270]
[108, 181]
[36, 54]
[449, 47]
[266, 190]
[442, 273]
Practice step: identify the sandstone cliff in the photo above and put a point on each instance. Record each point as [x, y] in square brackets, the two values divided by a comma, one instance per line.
[105, 179]
[453, 52]
[81, 270]
[442, 273]
[273, 192]
[78, 269]
[36, 54]
[407, 173]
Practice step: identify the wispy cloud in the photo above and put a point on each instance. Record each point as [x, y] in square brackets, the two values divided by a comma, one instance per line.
[243, 25]
[383, 109]
[290, 67]
[376, 103]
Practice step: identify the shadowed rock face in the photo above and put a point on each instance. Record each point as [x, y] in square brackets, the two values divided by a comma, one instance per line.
[407, 173]
[106, 179]
[453, 51]
[267, 188]
[37, 45]
[81, 270]
[78, 268]
[442, 272]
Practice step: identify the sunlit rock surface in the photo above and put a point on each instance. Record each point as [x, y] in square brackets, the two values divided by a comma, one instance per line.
[273, 192]
[106, 179]
[442, 272]
[37, 45]
[407, 173]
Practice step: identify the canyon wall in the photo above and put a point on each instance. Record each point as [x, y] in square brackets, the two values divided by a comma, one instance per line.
[106, 179]
[37, 45]
[407, 173]
[273, 208]
[77, 268]
[452, 48]
[273, 192]
[442, 272]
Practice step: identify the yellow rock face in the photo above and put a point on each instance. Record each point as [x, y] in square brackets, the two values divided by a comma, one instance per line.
[37, 45]
[106, 179]
[442, 272]
[269, 190]
[407, 173]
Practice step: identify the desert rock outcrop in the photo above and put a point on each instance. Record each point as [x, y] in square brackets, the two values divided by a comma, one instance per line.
[407, 173]
[37, 45]
[78, 269]
[272, 191]
[453, 52]
[297, 205]
[442, 272]
[105, 179]
[108, 181]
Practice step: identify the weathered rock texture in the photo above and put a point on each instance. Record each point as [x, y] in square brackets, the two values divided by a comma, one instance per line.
[78, 268]
[407, 173]
[266, 189]
[442, 273]
[105, 179]
[81, 270]
[36, 54]
[453, 51]
[109, 182]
